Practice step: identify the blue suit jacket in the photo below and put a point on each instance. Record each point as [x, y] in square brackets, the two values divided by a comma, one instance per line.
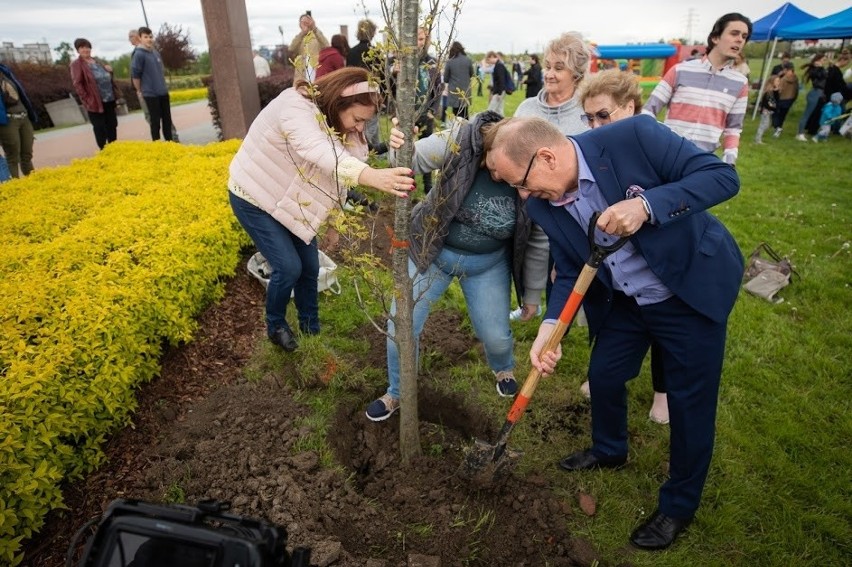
[691, 252]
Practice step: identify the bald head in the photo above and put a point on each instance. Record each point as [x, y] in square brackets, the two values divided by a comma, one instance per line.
[534, 157]
[518, 137]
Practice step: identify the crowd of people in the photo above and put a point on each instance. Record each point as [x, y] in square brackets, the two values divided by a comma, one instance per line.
[829, 84]
[93, 83]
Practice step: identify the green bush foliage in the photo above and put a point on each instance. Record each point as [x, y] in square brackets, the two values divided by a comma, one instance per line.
[189, 82]
[104, 262]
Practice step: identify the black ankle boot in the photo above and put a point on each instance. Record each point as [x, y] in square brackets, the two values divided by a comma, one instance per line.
[285, 339]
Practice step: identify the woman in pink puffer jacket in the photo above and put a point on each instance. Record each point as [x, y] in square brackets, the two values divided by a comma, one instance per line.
[299, 158]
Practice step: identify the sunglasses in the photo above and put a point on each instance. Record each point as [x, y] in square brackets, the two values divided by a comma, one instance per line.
[523, 183]
[602, 116]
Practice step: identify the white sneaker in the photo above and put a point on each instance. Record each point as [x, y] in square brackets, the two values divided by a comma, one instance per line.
[515, 314]
[777, 133]
[801, 137]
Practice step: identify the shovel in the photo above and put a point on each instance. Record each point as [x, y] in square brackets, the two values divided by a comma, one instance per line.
[484, 462]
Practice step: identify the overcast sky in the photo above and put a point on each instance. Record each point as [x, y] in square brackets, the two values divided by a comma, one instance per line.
[512, 26]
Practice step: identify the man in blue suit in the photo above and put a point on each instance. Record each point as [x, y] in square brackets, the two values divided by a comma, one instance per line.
[674, 282]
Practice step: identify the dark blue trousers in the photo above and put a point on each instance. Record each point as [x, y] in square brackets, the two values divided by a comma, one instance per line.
[692, 348]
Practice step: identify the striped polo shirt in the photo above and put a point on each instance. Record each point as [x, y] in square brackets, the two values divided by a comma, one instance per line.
[704, 104]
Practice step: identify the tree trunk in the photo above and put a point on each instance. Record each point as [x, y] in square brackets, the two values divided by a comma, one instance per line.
[406, 104]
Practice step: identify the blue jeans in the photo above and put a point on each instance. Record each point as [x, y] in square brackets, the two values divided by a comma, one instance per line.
[810, 104]
[295, 266]
[485, 281]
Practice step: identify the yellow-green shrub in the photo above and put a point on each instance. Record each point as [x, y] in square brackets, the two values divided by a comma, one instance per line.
[102, 262]
[185, 95]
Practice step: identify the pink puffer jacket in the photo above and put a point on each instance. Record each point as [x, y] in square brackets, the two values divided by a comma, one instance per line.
[289, 164]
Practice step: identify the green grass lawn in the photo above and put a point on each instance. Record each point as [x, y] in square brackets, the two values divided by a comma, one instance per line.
[780, 487]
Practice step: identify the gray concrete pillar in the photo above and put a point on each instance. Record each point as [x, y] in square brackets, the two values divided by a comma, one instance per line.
[229, 41]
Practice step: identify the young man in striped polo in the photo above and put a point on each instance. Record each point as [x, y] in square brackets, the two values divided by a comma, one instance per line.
[706, 98]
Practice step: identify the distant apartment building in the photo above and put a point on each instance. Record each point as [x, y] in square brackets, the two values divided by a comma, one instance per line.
[29, 53]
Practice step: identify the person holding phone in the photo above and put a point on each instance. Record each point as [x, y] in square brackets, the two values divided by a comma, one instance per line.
[305, 48]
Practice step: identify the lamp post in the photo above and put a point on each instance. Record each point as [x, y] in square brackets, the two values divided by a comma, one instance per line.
[144, 15]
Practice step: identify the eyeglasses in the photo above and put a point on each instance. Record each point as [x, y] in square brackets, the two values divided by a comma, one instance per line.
[602, 116]
[523, 183]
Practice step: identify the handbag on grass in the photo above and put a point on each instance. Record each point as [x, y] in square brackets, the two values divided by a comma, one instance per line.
[258, 268]
[767, 273]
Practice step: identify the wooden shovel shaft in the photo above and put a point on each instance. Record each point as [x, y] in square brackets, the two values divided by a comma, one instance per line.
[566, 317]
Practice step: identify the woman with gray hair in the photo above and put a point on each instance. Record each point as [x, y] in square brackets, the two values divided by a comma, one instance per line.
[566, 60]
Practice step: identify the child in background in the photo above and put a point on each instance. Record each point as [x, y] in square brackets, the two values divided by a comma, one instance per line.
[768, 104]
[830, 112]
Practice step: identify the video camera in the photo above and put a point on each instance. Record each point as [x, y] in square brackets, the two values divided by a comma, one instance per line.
[133, 533]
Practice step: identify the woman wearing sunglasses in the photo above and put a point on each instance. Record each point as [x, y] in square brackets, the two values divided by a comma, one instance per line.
[607, 97]
[610, 96]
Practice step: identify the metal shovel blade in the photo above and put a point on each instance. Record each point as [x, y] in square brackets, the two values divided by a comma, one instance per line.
[482, 464]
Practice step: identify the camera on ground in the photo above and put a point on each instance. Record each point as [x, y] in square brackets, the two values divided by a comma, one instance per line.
[134, 533]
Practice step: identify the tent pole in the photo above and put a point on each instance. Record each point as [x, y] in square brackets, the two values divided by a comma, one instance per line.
[763, 74]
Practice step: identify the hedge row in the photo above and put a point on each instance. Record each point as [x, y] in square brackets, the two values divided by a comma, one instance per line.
[103, 262]
[50, 83]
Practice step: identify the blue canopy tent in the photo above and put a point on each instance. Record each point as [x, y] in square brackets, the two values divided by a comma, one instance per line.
[835, 26]
[766, 28]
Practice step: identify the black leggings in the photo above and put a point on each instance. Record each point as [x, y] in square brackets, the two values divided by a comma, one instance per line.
[781, 111]
[426, 127]
[105, 124]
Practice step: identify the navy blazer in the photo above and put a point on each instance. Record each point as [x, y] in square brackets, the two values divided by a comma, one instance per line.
[691, 252]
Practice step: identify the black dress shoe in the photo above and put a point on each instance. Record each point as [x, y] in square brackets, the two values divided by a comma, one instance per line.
[285, 339]
[586, 461]
[659, 531]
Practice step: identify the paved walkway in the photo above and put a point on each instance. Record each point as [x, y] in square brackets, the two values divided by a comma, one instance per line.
[58, 147]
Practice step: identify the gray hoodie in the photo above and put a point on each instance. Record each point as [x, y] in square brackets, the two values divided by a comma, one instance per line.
[566, 116]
